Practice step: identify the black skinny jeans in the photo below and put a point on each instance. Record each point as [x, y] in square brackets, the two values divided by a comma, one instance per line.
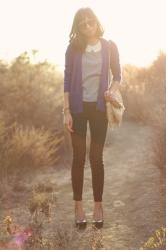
[98, 124]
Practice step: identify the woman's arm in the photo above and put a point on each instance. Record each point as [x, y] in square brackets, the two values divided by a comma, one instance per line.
[67, 77]
[114, 86]
[115, 67]
[66, 106]
[68, 122]
[67, 81]
[68, 68]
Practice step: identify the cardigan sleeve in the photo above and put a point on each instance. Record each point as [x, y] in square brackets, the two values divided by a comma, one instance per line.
[68, 69]
[115, 62]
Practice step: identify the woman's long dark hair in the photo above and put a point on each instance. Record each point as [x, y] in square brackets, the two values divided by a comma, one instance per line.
[77, 40]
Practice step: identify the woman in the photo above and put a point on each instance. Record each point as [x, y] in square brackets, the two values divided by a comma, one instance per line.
[86, 78]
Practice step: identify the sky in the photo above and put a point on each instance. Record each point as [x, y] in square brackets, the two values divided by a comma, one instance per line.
[137, 27]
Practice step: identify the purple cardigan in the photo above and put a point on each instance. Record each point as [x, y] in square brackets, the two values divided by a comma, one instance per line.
[73, 74]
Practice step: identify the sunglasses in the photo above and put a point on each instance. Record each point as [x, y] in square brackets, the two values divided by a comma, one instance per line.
[90, 22]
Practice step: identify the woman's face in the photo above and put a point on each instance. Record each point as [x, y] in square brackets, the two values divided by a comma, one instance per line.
[88, 27]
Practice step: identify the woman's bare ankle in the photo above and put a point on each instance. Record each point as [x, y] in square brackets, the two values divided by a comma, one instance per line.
[78, 204]
[80, 214]
[79, 207]
[98, 210]
[98, 204]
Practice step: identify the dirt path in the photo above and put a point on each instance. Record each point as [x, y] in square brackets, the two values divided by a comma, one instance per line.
[134, 207]
[133, 204]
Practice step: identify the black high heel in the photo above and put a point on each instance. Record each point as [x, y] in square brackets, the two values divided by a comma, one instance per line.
[98, 223]
[80, 224]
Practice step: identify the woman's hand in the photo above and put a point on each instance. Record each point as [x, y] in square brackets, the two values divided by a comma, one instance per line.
[110, 94]
[68, 121]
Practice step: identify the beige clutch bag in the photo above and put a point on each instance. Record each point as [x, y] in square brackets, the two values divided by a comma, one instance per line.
[115, 110]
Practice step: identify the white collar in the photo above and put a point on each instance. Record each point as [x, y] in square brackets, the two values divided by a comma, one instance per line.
[94, 48]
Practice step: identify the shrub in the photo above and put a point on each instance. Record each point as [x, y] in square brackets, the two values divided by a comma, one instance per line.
[30, 148]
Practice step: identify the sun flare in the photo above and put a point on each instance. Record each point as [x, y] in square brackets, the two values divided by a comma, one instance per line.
[136, 27]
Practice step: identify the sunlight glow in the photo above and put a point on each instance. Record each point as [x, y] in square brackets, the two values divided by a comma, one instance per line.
[137, 26]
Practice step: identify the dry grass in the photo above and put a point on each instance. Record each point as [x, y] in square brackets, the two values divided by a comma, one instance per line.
[27, 149]
[156, 241]
[36, 234]
[159, 147]
[144, 91]
[31, 133]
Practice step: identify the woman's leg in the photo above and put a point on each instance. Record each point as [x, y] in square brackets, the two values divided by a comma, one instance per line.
[98, 127]
[78, 138]
[78, 162]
